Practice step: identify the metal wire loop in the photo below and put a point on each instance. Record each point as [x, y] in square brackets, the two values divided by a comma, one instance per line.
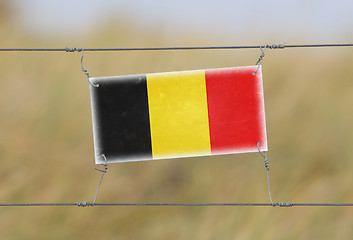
[105, 164]
[260, 59]
[263, 154]
[85, 71]
[273, 46]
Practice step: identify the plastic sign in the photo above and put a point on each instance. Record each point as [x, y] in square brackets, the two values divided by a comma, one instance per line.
[178, 114]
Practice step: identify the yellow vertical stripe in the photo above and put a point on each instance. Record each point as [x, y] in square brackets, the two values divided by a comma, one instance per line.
[178, 114]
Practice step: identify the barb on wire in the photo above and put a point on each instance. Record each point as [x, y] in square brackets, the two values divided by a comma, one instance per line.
[263, 154]
[82, 67]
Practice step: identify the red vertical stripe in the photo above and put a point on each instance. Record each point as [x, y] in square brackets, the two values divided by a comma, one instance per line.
[236, 110]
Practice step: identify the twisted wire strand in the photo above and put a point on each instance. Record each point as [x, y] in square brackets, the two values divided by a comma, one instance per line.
[263, 154]
[104, 171]
[260, 59]
[82, 67]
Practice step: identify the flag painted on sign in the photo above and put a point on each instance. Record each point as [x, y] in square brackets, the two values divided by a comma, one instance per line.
[178, 114]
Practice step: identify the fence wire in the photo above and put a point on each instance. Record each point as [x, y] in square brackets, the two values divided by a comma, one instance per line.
[89, 204]
[268, 46]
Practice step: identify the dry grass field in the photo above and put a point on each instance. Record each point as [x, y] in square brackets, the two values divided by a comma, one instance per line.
[46, 146]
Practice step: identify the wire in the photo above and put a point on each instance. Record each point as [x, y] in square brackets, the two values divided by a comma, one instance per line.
[104, 171]
[35, 204]
[87, 204]
[263, 154]
[284, 204]
[273, 46]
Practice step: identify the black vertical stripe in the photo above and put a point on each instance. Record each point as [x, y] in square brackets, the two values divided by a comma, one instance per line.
[121, 118]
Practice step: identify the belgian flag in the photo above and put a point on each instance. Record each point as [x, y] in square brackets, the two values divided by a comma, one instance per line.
[178, 114]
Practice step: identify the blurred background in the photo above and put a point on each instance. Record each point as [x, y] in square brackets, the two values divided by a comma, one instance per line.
[46, 143]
